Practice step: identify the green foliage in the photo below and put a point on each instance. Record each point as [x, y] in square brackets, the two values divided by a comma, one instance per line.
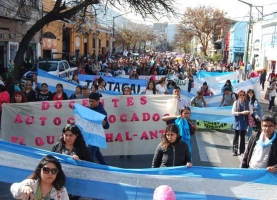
[216, 58]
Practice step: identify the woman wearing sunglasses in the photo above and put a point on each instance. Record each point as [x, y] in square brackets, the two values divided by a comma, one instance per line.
[46, 182]
[241, 110]
[30, 94]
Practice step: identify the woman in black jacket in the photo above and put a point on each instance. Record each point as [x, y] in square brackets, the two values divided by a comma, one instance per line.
[30, 94]
[171, 151]
[73, 144]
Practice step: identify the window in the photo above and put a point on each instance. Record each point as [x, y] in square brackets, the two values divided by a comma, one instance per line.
[99, 46]
[66, 65]
[107, 43]
[48, 66]
[61, 67]
[49, 35]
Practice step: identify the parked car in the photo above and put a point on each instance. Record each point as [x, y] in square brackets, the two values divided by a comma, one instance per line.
[59, 68]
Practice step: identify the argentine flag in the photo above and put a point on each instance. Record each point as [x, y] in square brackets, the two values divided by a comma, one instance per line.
[90, 124]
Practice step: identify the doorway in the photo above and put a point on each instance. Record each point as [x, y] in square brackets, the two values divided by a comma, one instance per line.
[66, 40]
[47, 54]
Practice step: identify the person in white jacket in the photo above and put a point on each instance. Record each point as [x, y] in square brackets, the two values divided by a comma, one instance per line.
[46, 182]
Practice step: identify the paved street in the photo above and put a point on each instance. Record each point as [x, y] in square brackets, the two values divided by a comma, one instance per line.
[210, 148]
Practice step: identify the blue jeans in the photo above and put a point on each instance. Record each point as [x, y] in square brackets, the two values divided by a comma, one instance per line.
[95, 152]
[271, 103]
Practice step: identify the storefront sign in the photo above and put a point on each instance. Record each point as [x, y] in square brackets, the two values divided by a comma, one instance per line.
[239, 49]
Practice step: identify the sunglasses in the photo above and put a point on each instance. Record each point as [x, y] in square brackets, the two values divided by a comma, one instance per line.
[46, 170]
[68, 127]
[28, 85]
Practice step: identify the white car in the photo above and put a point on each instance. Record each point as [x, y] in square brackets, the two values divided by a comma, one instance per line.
[59, 68]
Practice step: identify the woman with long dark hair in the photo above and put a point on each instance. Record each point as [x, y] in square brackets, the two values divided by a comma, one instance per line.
[170, 85]
[75, 78]
[241, 111]
[44, 94]
[257, 111]
[161, 86]
[46, 182]
[151, 88]
[172, 151]
[72, 143]
[227, 84]
[184, 123]
[59, 94]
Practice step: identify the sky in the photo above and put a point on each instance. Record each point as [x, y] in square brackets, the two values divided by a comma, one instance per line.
[235, 10]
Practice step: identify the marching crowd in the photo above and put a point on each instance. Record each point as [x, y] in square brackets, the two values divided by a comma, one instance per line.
[175, 148]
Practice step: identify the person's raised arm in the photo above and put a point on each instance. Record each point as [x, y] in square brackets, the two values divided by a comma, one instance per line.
[222, 100]
[167, 118]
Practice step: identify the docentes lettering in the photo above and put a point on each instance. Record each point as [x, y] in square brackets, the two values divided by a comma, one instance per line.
[129, 101]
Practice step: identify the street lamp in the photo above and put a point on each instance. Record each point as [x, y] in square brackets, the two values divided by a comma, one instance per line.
[113, 28]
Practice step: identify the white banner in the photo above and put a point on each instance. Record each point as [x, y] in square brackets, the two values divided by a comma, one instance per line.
[143, 77]
[135, 122]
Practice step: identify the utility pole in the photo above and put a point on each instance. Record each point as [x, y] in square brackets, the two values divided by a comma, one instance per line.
[248, 34]
[113, 29]
[248, 39]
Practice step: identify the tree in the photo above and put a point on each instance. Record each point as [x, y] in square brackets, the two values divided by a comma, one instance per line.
[65, 10]
[182, 40]
[132, 34]
[204, 22]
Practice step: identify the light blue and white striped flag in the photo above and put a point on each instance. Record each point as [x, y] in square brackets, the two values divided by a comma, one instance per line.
[111, 183]
[90, 124]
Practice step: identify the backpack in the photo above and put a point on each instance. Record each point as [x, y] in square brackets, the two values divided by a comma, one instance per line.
[232, 93]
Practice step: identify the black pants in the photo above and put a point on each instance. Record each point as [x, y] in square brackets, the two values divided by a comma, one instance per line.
[262, 83]
[241, 147]
[271, 103]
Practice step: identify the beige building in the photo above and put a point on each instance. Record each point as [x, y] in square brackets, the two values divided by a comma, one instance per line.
[14, 23]
[82, 40]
